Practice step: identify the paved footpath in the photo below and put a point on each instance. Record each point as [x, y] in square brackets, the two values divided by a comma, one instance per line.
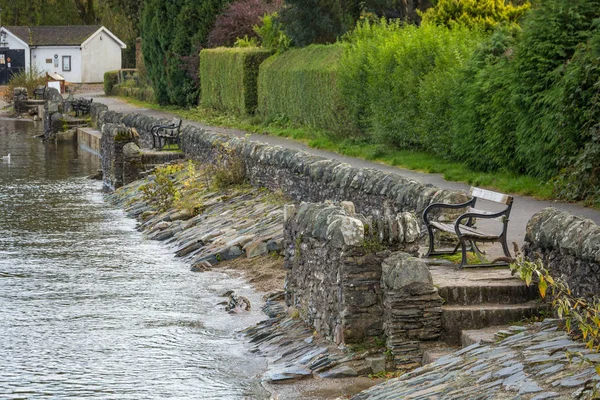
[523, 207]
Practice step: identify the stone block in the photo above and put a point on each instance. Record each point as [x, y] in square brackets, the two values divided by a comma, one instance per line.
[377, 364]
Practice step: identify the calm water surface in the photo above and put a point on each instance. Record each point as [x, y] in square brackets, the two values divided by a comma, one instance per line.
[89, 308]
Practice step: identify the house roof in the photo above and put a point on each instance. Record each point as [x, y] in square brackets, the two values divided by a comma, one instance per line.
[73, 35]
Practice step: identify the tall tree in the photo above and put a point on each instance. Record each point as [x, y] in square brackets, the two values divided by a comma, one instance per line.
[86, 11]
[173, 34]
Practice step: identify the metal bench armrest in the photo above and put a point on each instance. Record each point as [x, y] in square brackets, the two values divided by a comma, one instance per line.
[471, 215]
[447, 206]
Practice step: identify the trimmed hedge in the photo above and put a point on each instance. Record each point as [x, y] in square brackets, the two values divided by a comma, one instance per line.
[228, 78]
[111, 78]
[301, 85]
[139, 93]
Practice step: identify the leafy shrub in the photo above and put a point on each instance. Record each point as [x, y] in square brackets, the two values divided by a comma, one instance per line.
[162, 192]
[551, 35]
[580, 316]
[313, 21]
[239, 20]
[484, 14]
[483, 125]
[524, 101]
[397, 81]
[229, 78]
[227, 167]
[27, 78]
[271, 35]
[301, 85]
[246, 42]
[111, 78]
[140, 93]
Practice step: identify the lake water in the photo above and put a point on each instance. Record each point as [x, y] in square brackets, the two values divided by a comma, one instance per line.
[91, 309]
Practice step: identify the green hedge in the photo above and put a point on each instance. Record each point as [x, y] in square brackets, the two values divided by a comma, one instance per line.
[397, 82]
[139, 93]
[228, 78]
[301, 85]
[111, 78]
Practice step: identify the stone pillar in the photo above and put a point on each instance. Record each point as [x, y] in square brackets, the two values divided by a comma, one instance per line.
[132, 163]
[20, 99]
[412, 308]
[114, 139]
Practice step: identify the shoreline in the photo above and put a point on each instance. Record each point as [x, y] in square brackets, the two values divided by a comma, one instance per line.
[265, 273]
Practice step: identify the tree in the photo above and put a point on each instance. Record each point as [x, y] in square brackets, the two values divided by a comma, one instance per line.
[239, 20]
[314, 21]
[173, 34]
[86, 11]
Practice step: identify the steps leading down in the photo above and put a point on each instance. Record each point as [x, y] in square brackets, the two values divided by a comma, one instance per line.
[476, 298]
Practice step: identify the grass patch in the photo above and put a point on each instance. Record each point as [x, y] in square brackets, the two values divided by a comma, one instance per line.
[457, 258]
[409, 159]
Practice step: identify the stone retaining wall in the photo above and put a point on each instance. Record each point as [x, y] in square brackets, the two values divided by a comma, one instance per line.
[334, 258]
[352, 283]
[570, 247]
[302, 176]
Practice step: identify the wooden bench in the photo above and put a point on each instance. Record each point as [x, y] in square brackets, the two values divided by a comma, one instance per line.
[166, 134]
[39, 91]
[464, 226]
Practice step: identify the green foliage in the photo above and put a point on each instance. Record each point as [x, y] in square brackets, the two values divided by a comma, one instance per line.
[526, 99]
[482, 14]
[174, 32]
[550, 38]
[246, 42]
[140, 93]
[300, 85]
[313, 21]
[227, 167]
[483, 125]
[162, 192]
[229, 78]
[29, 79]
[271, 35]
[397, 81]
[581, 316]
[111, 78]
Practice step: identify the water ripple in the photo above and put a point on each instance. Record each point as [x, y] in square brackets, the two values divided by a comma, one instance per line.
[90, 309]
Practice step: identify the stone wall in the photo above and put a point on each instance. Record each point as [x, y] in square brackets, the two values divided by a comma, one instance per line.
[302, 176]
[570, 247]
[334, 257]
[352, 283]
[412, 308]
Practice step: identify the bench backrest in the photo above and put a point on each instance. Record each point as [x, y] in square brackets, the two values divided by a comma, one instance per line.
[491, 195]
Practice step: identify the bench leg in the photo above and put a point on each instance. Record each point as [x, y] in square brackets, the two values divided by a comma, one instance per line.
[463, 249]
[430, 251]
[505, 246]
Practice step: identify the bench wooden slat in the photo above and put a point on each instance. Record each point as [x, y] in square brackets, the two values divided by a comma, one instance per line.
[491, 196]
[466, 230]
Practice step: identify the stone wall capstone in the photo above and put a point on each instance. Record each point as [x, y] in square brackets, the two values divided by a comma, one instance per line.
[569, 246]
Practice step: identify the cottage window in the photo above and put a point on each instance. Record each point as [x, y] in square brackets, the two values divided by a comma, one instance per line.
[66, 63]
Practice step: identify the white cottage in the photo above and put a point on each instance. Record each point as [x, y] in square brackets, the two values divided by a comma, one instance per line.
[81, 54]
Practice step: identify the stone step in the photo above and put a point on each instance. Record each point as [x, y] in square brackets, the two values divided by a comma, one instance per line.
[456, 318]
[433, 351]
[512, 292]
[484, 335]
[489, 335]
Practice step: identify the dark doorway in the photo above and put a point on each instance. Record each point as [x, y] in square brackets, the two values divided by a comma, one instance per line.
[11, 62]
